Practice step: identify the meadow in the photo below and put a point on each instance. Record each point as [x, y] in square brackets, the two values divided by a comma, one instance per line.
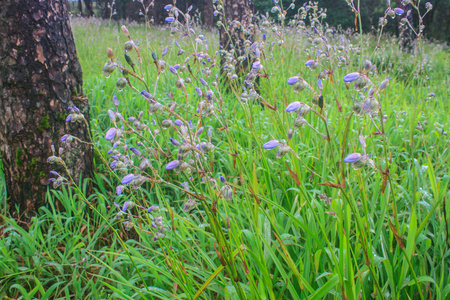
[326, 177]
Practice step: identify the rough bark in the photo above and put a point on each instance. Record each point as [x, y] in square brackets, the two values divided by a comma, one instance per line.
[241, 11]
[40, 77]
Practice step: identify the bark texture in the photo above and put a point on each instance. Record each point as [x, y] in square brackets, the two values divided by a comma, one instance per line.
[40, 77]
[238, 14]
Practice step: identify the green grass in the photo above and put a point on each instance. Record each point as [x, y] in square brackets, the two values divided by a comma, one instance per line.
[276, 239]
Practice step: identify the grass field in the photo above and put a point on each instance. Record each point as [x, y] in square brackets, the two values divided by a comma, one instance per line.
[306, 225]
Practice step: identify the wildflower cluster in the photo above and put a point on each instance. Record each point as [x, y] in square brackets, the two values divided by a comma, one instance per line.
[193, 153]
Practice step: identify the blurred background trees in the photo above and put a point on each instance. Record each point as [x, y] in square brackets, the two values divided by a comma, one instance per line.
[338, 13]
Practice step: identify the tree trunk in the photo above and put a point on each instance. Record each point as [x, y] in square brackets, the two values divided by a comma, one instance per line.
[40, 77]
[80, 7]
[208, 13]
[236, 10]
[89, 10]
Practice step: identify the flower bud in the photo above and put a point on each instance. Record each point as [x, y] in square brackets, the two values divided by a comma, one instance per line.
[121, 83]
[108, 68]
[391, 13]
[227, 192]
[290, 133]
[300, 86]
[299, 122]
[384, 84]
[179, 83]
[283, 149]
[358, 109]
[129, 45]
[110, 53]
[128, 59]
[115, 100]
[189, 205]
[360, 83]
[125, 30]
[367, 66]
[166, 123]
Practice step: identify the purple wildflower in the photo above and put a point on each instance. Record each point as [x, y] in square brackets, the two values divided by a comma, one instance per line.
[271, 144]
[173, 70]
[166, 49]
[168, 7]
[173, 164]
[69, 117]
[351, 77]
[309, 62]
[319, 84]
[115, 100]
[170, 19]
[136, 151]
[146, 95]
[399, 11]
[293, 106]
[293, 80]
[127, 179]
[175, 142]
[203, 82]
[352, 157]
[110, 134]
